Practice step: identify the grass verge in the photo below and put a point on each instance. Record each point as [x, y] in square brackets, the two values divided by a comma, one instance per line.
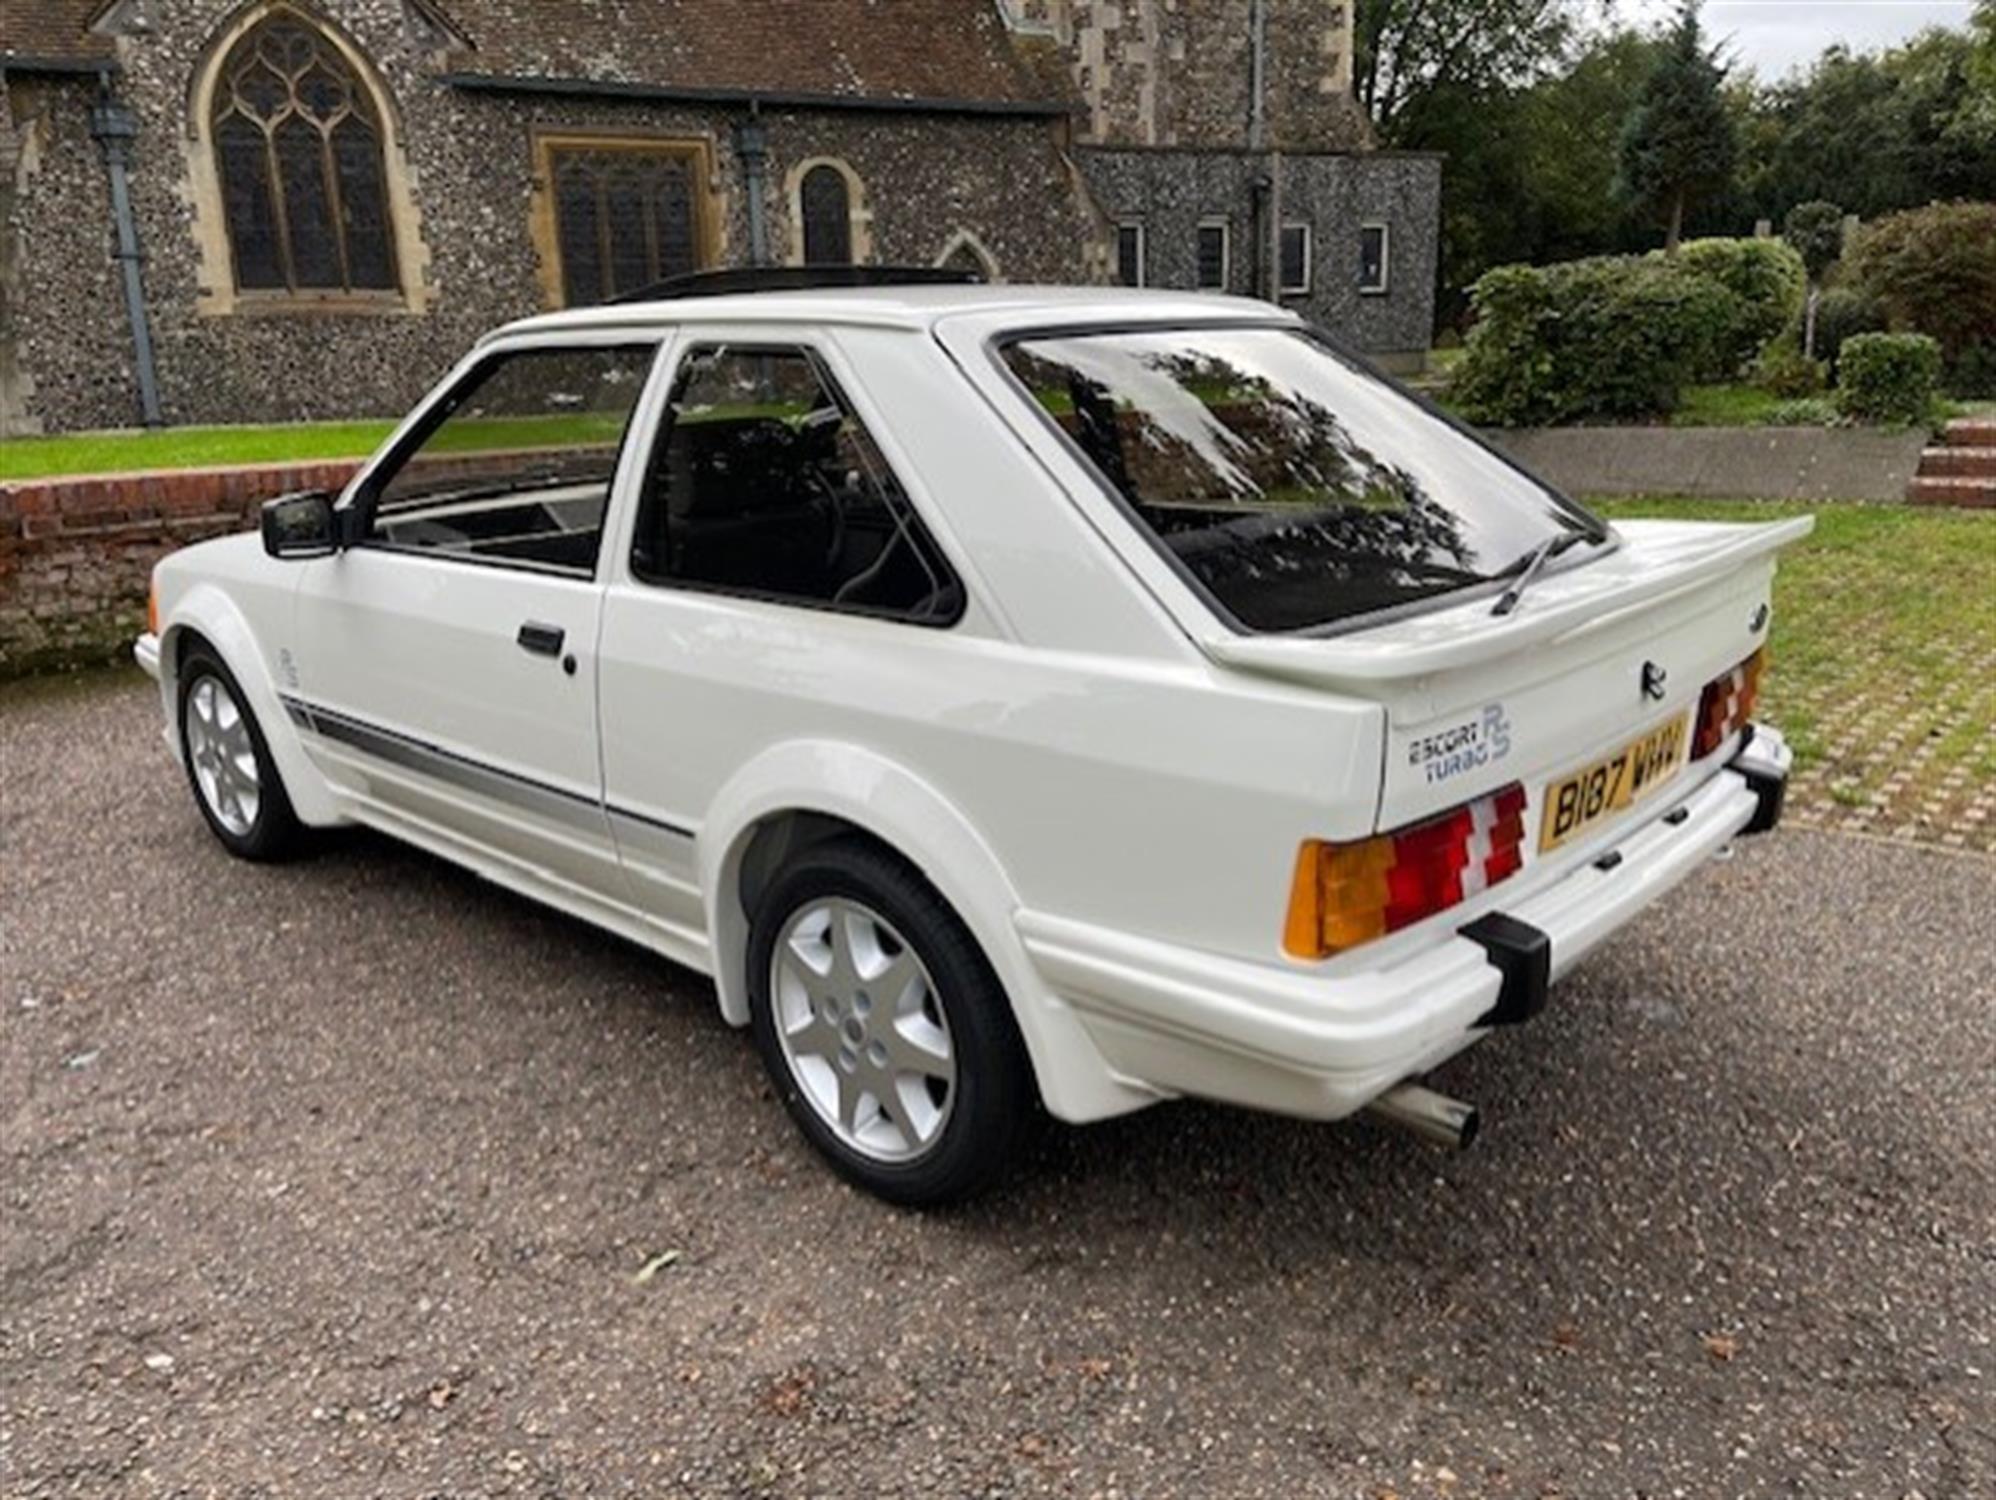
[187, 448]
[1883, 663]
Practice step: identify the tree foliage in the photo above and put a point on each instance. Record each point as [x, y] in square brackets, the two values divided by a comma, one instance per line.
[1530, 172]
[1678, 142]
[1815, 231]
[1407, 50]
[1876, 132]
[1525, 98]
[1934, 271]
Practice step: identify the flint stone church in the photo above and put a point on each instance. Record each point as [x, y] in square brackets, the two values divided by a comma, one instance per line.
[217, 211]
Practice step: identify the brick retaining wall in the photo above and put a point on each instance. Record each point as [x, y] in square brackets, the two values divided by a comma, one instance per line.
[76, 553]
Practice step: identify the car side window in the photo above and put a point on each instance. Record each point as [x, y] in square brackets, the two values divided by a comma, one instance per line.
[765, 482]
[514, 465]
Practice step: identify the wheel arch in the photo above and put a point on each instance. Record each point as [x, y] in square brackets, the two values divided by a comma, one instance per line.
[799, 794]
[205, 614]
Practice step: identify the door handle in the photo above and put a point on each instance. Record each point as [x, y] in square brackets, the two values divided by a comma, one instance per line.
[542, 640]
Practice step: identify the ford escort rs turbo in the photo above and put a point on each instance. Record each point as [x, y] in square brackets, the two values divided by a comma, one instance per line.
[1015, 698]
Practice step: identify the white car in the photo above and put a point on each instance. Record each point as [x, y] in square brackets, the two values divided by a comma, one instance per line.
[1012, 697]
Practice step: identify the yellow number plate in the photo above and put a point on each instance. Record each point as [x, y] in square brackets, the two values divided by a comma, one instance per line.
[1606, 787]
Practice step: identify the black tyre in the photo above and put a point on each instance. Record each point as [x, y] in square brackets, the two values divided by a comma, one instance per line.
[884, 1029]
[228, 763]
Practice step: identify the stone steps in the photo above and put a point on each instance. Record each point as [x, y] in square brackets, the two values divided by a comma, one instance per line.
[1964, 494]
[1958, 463]
[1960, 470]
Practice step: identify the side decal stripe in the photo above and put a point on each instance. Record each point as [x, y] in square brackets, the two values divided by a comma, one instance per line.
[552, 802]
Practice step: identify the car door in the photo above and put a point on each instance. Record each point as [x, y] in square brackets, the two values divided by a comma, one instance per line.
[443, 665]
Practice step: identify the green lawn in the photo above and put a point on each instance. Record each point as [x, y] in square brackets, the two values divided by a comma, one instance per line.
[187, 448]
[1730, 406]
[1883, 657]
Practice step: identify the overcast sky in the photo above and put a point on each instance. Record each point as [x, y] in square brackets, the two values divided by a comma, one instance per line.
[1772, 36]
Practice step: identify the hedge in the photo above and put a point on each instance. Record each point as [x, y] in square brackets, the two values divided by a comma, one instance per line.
[1934, 271]
[1889, 377]
[1770, 281]
[1613, 336]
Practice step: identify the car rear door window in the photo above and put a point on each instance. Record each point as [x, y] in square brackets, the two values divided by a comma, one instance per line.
[765, 482]
[514, 465]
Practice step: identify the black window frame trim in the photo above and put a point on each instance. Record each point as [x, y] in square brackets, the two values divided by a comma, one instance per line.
[1608, 541]
[357, 516]
[683, 349]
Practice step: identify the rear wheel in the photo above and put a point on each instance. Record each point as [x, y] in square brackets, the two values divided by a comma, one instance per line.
[229, 766]
[884, 1029]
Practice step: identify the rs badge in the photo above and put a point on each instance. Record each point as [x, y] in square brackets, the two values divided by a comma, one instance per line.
[1655, 681]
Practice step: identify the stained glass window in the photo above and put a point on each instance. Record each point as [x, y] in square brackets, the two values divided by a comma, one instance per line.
[298, 145]
[624, 217]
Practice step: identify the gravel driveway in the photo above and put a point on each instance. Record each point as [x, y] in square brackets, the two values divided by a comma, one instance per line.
[339, 1180]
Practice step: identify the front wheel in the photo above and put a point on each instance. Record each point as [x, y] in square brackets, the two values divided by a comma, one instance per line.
[229, 765]
[887, 1035]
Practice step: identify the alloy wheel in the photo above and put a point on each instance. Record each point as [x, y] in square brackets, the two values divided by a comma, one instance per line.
[863, 1030]
[223, 756]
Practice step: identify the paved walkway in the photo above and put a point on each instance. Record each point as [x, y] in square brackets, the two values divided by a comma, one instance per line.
[1903, 761]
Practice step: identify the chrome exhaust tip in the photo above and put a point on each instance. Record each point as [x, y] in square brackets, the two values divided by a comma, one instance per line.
[1433, 1117]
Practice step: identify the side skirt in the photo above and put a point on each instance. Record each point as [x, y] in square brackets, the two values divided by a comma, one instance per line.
[681, 944]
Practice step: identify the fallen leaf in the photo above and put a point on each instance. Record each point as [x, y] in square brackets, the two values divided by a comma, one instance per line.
[442, 1394]
[790, 1393]
[653, 1266]
[1721, 1346]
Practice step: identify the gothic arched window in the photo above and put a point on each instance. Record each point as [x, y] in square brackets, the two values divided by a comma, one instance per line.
[298, 146]
[826, 204]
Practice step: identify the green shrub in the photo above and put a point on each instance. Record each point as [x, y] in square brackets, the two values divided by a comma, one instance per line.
[1889, 377]
[1614, 336]
[1840, 313]
[1934, 271]
[1768, 279]
[1784, 370]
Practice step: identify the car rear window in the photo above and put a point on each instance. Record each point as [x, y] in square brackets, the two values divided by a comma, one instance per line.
[1297, 489]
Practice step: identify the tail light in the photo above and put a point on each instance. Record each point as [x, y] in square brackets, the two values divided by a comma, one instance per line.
[1347, 894]
[1727, 704]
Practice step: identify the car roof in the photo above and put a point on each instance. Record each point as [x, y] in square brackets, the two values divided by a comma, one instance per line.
[914, 308]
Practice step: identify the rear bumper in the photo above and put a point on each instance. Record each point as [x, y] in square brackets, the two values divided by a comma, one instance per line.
[1290, 1039]
[145, 651]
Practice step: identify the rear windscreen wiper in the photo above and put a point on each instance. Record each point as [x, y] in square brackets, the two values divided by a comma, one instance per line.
[1533, 564]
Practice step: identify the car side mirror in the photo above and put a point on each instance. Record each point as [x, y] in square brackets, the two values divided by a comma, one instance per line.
[301, 525]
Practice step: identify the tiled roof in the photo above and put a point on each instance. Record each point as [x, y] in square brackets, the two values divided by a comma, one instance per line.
[51, 31]
[859, 49]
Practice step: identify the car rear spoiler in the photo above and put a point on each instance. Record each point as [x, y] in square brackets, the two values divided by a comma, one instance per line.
[1665, 560]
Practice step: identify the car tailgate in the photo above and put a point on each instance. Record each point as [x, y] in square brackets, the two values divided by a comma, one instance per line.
[1594, 657]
